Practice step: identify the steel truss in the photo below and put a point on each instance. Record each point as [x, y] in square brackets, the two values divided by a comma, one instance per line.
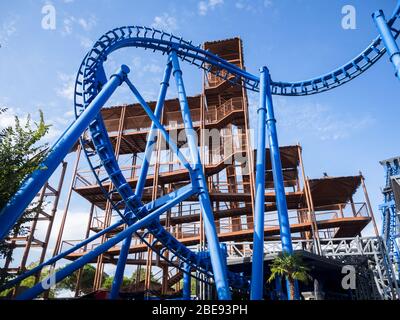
[345, 250]
[390, 210]
[93, 89]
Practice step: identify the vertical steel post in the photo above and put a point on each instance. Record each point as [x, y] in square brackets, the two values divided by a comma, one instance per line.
[119, 272]
[388, 40]
[257, 279]
[31, 186]
[186, 282]
[283, 216]
[153, 131]
[371, 212]
[278, 287]
[217, 261]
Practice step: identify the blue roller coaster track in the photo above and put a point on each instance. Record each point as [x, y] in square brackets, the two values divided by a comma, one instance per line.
[92, 90]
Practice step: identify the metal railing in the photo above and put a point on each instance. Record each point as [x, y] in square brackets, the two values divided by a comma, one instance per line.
[329, 247]
[216, 112]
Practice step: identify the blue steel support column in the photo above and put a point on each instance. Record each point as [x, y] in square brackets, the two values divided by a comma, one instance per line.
[283, 216]
[31, 186]
[187, 290]
[278, 287]
[388, 40]
[217, 261]
[257, 279]
[284, 226]
[152, 135]
[119, 272]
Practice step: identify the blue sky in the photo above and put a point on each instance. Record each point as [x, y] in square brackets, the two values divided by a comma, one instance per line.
[342, 131]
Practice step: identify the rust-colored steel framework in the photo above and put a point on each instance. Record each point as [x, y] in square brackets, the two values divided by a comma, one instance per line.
[318, 208]
[224, 201]
[47, 201]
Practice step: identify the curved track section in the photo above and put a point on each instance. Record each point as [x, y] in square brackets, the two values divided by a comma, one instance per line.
[88, 85]
[155, 40]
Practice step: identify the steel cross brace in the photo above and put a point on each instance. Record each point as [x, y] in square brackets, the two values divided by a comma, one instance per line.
[31, 186]
[195, 170]
[388, 39]
[79, 263]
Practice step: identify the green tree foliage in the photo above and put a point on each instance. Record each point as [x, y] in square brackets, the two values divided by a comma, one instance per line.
[291, 267]
[192, 285]
[20, 154]
[142, 276]
[107, 284]
[86, 282]
[30, 282]
[136, 276]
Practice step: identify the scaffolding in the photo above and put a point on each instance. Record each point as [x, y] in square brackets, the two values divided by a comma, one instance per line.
[390, 210]
[47, 201]
[325, 222]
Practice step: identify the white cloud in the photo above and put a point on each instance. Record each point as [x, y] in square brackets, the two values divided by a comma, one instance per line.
[322, 122]
[152, 68]
[85, 42]
[136, 62]
[165, 22]
[8, 29]
[87, 24]
[70, 22]
[68, 25]
[69, 113]
[252, 6]
[7, 119]
[268, 3]
[319, 120]
[67, 87]
[205, 6]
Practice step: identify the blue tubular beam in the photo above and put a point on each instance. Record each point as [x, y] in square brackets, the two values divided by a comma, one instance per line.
[217, 261]
[278, 287]
[168, 197]
[283, 216]
[151, 140]
[387, 37]
[61, 255]
[284, 226]
[257, 279]
[79, 263]
[119, 272]
[153, 118]
[187, 290]
[31, 186]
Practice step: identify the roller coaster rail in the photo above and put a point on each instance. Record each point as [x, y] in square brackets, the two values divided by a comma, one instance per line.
[93, 89]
